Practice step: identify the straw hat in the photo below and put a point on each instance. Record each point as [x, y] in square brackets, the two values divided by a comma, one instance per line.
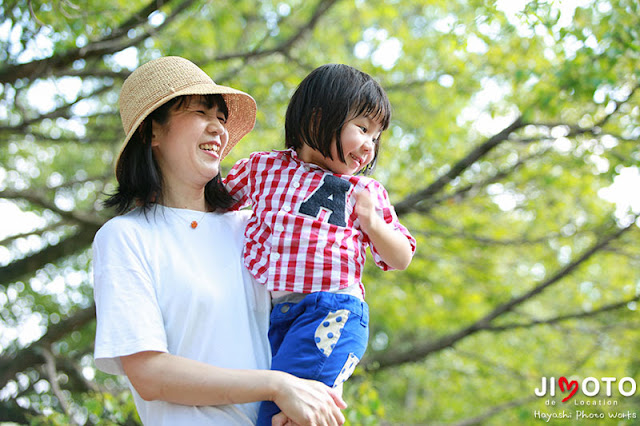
[163, 79]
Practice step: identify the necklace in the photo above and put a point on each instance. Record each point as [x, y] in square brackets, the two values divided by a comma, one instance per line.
[194, 223]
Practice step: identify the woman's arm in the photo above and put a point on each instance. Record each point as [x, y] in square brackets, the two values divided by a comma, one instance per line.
[392, 245]
[166, 377]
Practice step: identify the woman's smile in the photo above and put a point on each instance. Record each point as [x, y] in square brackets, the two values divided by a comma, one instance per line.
[211, 148]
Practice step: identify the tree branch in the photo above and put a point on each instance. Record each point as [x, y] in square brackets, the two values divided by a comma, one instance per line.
[459, 234]
[560, 318]
[463, 192]
[31, 355]
[412, 201]
[562, 273]
[37, 198]
[61, 111]
[108, 45]
[52, 374]
[50, 254]
[421, 350]
[135, 20]
[38, 232]
[596, 129]
[497, 409]
[283, 48]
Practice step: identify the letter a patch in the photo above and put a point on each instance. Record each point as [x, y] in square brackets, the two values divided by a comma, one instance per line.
[330, 197]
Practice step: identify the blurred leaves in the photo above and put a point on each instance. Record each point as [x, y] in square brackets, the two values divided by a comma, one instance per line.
[510, 125]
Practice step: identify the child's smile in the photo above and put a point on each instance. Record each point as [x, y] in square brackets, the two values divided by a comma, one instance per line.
[358, 137]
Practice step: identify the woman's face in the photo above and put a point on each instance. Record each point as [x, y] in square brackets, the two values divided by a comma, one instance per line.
[188, 147]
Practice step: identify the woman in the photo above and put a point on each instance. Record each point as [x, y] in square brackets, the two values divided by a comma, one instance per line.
[176, 311]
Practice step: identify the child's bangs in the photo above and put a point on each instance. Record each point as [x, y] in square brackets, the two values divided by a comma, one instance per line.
[372, 103]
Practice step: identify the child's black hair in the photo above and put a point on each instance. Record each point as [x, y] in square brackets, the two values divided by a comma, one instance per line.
[326, 100]
[138, 175]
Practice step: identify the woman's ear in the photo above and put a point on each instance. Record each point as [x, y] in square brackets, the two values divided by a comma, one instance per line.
[148, 131]
[155, 132]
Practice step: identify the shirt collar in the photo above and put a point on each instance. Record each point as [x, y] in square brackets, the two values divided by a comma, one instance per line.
[294, 156]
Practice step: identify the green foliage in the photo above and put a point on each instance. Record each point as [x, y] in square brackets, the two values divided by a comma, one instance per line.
[510, 282]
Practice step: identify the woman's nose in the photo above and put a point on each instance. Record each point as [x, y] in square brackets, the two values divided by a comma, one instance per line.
[215, 126]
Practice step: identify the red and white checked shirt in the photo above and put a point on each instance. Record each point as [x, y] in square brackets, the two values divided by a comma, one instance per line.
[304, 235]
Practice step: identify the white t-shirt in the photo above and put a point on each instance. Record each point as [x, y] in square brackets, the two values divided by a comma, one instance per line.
[162, 286]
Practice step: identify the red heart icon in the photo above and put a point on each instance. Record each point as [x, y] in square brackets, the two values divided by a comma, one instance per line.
[571, 385]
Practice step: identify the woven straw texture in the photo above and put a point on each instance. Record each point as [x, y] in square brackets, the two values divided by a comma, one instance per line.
[165, 78]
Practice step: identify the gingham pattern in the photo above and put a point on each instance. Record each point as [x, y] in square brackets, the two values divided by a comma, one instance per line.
[289, 251]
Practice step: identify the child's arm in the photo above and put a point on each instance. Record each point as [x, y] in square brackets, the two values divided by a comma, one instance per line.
[237, 183]
[392, 245]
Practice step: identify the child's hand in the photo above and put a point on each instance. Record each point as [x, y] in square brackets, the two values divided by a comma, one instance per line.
[392, 246]
[366, 210]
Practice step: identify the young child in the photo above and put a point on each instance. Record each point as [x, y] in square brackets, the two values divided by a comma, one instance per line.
[314, 214]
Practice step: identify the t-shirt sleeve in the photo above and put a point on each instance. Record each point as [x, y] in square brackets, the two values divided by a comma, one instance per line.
[237, 183]
[388, 213]
[129, 319]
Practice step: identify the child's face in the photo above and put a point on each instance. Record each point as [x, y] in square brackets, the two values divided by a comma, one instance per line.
[359, 137]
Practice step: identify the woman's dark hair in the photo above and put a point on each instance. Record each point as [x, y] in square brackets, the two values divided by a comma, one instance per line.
[325, 100]
[140, 178]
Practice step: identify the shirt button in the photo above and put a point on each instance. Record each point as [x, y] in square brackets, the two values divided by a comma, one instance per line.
[286, 208]
[275, 257]
[285, 308]
[279, 228]
[296, 184]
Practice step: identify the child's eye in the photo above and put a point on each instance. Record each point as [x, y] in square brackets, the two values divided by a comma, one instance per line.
[363, 128]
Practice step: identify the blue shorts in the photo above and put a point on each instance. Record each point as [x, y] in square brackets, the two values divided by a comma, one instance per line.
[322, 337]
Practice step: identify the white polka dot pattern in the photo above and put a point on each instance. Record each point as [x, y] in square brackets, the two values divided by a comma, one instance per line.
[329, 330]
[347, 370]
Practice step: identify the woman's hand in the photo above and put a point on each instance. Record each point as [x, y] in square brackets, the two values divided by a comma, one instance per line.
[307, 403]
[159, 376]
[281, 419]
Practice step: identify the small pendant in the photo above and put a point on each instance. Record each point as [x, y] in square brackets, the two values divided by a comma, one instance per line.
[194, 224]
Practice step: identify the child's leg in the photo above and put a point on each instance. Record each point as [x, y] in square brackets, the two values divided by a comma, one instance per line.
[323, 337]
